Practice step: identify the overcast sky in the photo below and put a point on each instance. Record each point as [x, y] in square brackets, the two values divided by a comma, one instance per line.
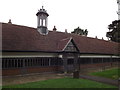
[94, 15]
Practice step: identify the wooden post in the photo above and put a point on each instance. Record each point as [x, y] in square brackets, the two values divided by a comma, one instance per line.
[65, 63]
[119, 83]
[79, 64]
[76, 71]
[76, 68]
[103, 67]
[111, 61]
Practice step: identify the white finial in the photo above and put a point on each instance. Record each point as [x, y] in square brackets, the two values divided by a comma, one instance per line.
[42, 2]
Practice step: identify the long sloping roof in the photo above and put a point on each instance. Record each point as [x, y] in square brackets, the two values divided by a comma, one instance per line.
[22, 38]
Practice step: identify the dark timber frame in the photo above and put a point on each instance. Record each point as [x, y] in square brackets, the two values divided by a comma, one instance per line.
[74, 64]
[71, 52]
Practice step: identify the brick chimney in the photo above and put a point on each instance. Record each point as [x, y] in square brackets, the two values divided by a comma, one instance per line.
[10, 21]
[54, 29]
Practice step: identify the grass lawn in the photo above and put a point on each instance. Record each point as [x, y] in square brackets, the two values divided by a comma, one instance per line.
[62, 83]
[112, 73]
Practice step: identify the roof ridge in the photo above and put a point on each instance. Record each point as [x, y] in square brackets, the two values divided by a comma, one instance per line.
[80, 36]
[65, 39]
[19, 25]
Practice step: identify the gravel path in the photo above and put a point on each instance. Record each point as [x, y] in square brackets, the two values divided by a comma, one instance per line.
[29, 78]
[100, 79]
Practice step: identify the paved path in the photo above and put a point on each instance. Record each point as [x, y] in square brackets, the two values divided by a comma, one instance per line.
[20, 79]
[100, 79]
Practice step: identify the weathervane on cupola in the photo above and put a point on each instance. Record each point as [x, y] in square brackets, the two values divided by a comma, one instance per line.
[118, 2]
[42, 19]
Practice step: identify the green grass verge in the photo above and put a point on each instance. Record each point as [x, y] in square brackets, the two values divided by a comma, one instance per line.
[62, 83]
[112, 73]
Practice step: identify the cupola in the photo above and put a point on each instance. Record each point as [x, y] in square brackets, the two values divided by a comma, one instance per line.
[42, 19]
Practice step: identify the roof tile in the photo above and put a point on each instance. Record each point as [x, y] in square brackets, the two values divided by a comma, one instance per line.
[22, 38]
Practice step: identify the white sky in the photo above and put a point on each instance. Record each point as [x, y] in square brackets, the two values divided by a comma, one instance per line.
[94, 15]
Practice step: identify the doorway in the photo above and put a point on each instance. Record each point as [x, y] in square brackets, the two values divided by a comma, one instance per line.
[70, 63]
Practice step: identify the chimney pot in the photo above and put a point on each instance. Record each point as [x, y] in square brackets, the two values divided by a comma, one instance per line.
[102, 38]
[54, 29]
[96, 37]
[66, 31]
[10, 21]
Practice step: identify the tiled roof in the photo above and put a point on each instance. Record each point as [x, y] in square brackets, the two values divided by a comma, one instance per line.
[62, 43]
[22, 38]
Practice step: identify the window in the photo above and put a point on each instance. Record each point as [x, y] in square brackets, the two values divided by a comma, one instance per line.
[43, 22]
[30, 62]
[85, 60]
[53, 62]
[46, 62]
[97, 60]
[3, 63]
[26, 62]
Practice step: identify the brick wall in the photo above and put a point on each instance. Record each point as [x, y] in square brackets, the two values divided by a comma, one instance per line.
[96, 65]
[9, 72]
[18, 71]
[43, 69]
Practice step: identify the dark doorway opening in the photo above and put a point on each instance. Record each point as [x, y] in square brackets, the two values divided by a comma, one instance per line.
[70, 61]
